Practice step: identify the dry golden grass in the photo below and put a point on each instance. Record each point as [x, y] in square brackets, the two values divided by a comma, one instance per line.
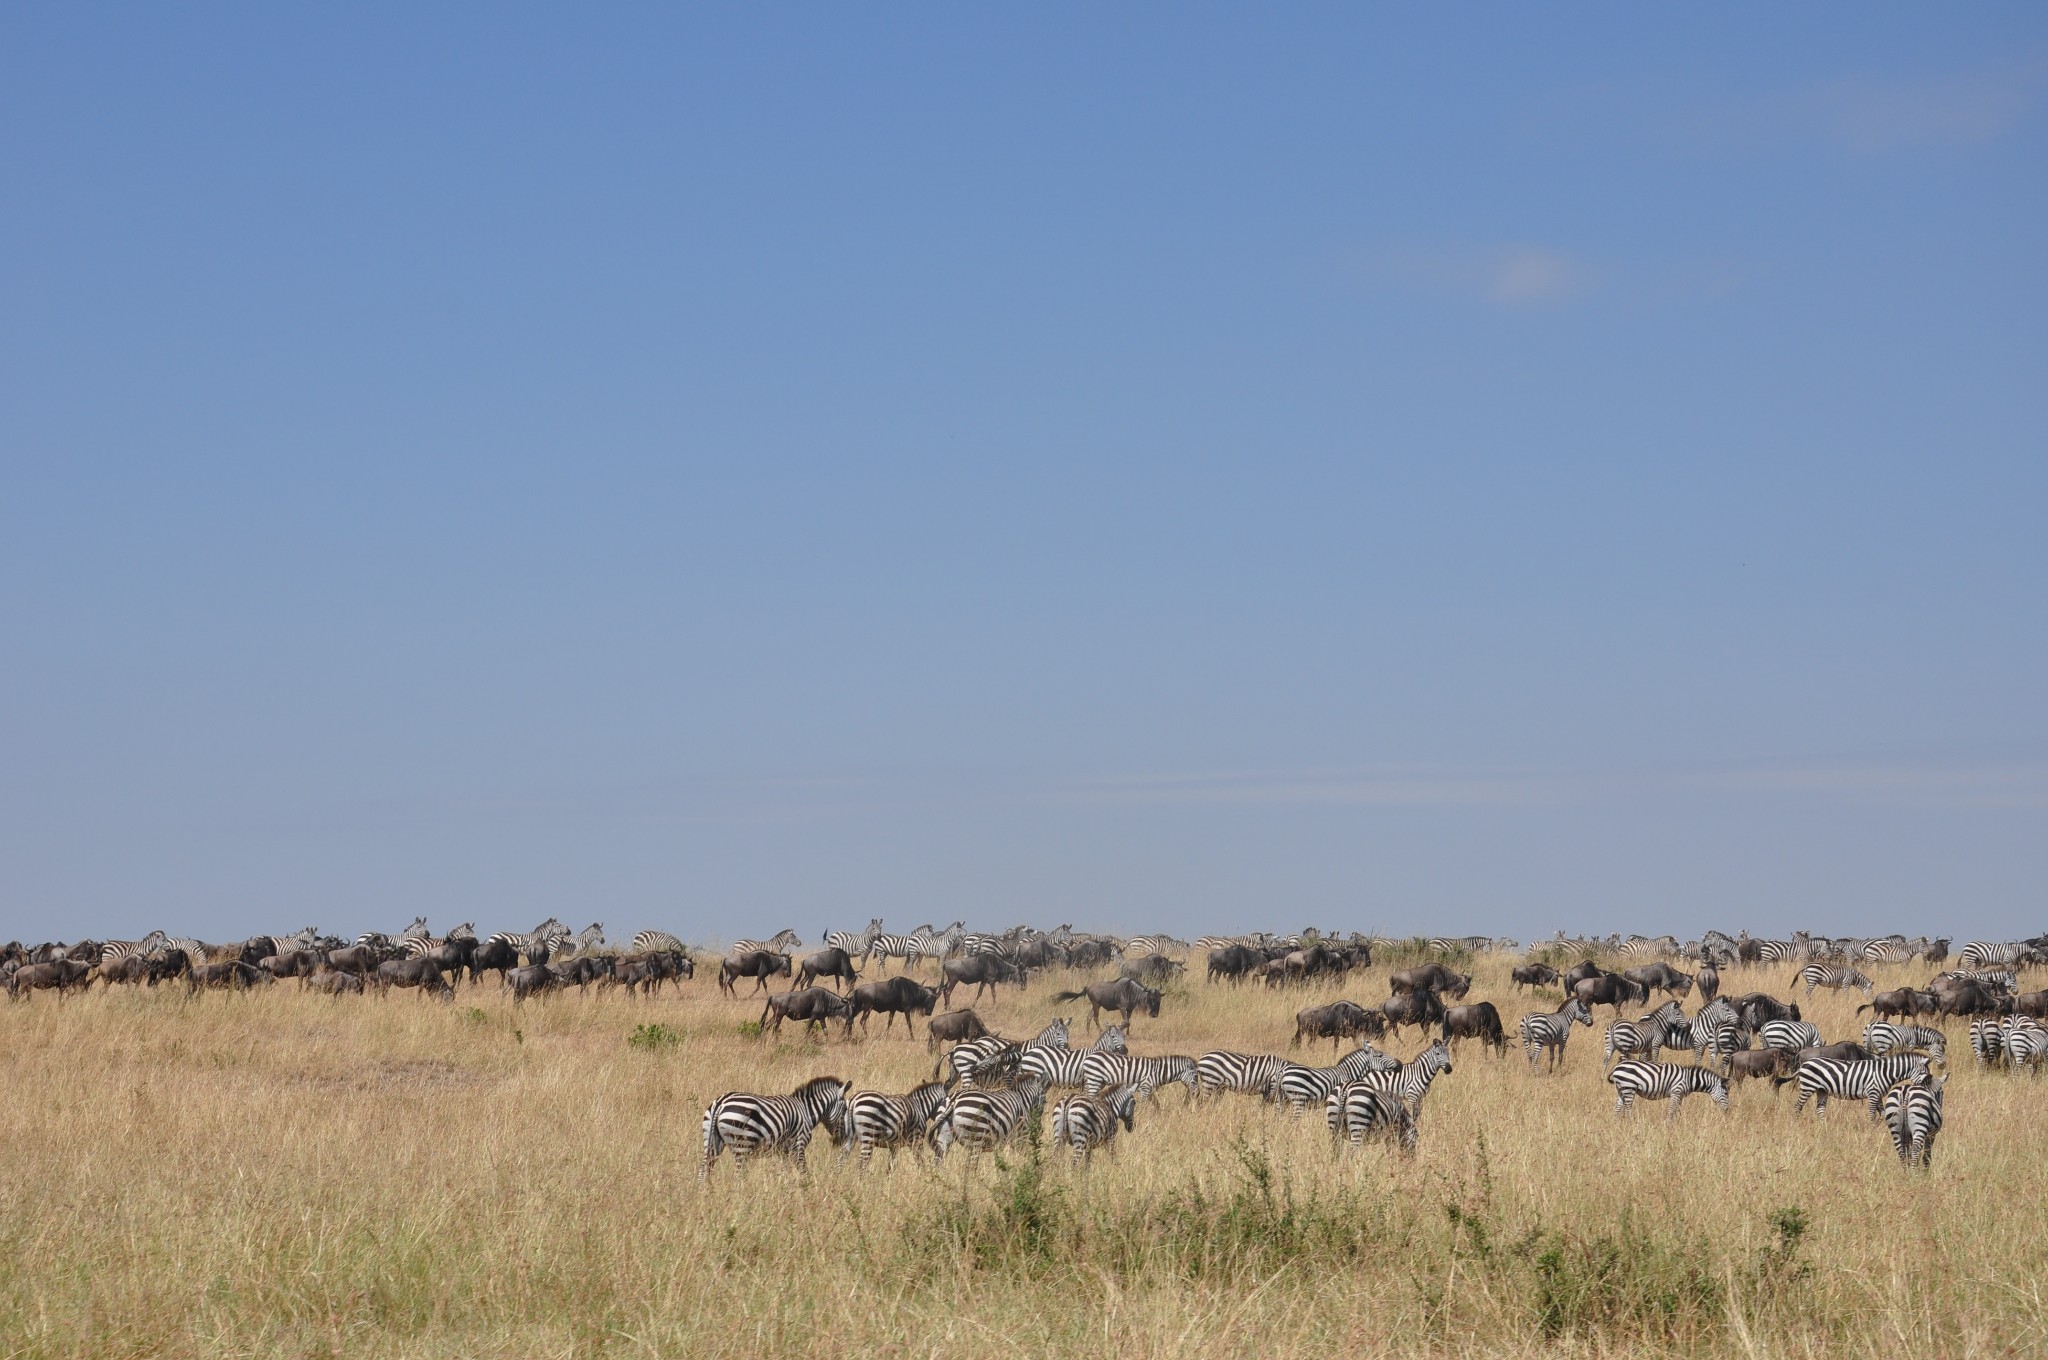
[285, 1174]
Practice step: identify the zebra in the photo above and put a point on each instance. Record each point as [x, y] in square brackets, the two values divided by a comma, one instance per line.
[547, 935]
[1409, 1083]
[781, 942]
[1882, 1037]
[589, 938]
[1833, 975]
[412, 946]
[974, 945]
[1222, 1071]
[1358, 1108]
[936, 947]
[1140, 945]
[1868, 1078]
[2026, 1043]
[746, 1123]
[1715, 1031]
[1546, 1031]
[1913, 1114]
[1635, 1080]
[1054, 1066]
[114, 951]
[990, 1060]
[1790, 1035]
[658, 942]
[1647, 1035]
[198, 952]
[876, 1120]
[1891, 949]
[1111, 1040]
[1100, 1070]
[1983, 954]
[1777, 951]
[1987, 1039]
[856, 946]
[1298, 1087]
[416, 931]
[904, 947]
[1085, 1123]
[979, 1120]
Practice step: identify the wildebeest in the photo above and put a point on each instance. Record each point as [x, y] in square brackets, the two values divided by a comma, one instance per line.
[1661, 977]
[1971, 999]
[60, 974]
[758, 964]
[1432, 977]
[1532, 975]
[1757, 1063]
[493, 955]
[2031, 1003]
[954, 1027]
[1079, 954]
[1845, 1049]
[982, 971]
[1336, 1022]
[899, 995]
[356, 958]
[1902, 1001]
[530, 980]
[335, 982]
[300, 963]
[1233, 961]
[421, 972]
[1152, 969]
[812, 1005]
[1578, 972]
[1478, 1021]
[834, 963]
[1609, 989]
[1708, 979]
[1125, 995]
[583, 970]
[1420, 1008]
[1753, 1009]
[232, 974]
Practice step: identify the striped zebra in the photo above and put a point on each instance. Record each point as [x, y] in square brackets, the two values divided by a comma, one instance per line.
[2026, 1043]
[905, 947]
[744, 1123]
[937, 947]
[781, 942]
[1546, 1031]
[979, 1120]
[1409, 1083]
[658, 942]
[1835, 976]
[114, 951]
[589, 938]
[199, 952]
[1866, 1079]
[412, 946]
[988, 1061]
[1087, 1122]
[1882, 1037]
[1053, 1066]
[1111, 1040]
[1913, 1114]
[416, 931]
[1100, 1071]
[994, 946]
[1140, 945]
[1636, 1080]
[1987, 1039]
[876, 1120]
[1299, 1087]
[1790, 1035]
[1989, 954]
[1715, 1031]
[856, 946]
[1221, 1071]
[1892, 949]
[1357, 1109]
[1644, 1036]
[1777, 951]
[548, 935]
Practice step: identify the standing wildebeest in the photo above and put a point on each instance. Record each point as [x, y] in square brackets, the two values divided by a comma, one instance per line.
[1233, 961]
[1753, 1010]
[758, 964]
[1418, 1008]
[356, 958]
[531, 979]
[1431, 977]
[1903, 1001]
[1533, 975]
[812, 1005]
[1152, 970]
[1609, 989]
[2031, 1003]
[494, 954]
[982, 971]
[583, 970]
[899, 995]
[421, 972]
[1477, 1021]
[229, 973]
[1124, 995]
[1337, 1021]
[1708, 979]
[954, 1027]
[1578, 972]
[1971, 999]
[834, 963]
[1756, 1063]
[62, 974]
[335, 982]
[1661, 977]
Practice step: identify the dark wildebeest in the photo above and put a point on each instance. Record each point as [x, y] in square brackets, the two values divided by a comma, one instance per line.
[335, 982]
[62, 974]
[530, 980]
[1577, 973]
[759, 964]
[583, 970]
[356, 958]
[1532, 975]
[228, 973]
[1079, 954]
[1752, 1010]
[2031, 1003]
[982, 971]
[1903, 1001]
[812, 1005]
[1336, 1022]
[421, 972]
[954, 1027]
[634, 971]
[499, 956]
[1153, 970]
[1708, 979]
[899, 995]
[452, 956]
[1971, 999]
[143, 968]
[1233, 961]
[1756, 1063]
[1661, 977]
[1421, 1009]
[1846, 1050]
[1431, 977]
[1609, 989]
[1477, 1021]
[834, 963]
[300, 963]
[1125, 995]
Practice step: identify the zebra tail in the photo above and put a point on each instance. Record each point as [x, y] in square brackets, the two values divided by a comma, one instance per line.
[714, 1141]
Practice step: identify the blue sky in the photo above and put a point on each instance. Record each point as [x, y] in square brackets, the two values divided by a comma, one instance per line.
[1189, 467]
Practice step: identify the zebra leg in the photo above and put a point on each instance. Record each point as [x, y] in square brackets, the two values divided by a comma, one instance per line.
[1671, 1110]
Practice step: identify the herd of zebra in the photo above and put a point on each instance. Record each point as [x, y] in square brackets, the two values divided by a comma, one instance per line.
[988, 1089]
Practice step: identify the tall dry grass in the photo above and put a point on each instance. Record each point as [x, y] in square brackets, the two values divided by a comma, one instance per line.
[283, 1174]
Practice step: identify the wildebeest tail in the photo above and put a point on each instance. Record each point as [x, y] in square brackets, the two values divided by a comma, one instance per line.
[1058, 997]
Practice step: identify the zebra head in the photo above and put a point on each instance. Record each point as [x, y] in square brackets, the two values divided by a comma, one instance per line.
[1123, 1103]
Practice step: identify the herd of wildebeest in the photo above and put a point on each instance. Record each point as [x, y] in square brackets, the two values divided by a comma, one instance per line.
[987, 1089]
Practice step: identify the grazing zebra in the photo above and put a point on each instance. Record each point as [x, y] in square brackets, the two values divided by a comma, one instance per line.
[856, 946]
[979, 1120]
[876, 1120]
[1054, 1066]
[781, 942]
[1913, 1113]
[2026, 1043]
[1790, 1035]
[1100, 1071]
[1357, 1109]
[1409, 1083]
[1085, 1123]
[745, 1123]
[1833, 975]
[114, 951]
[1627, 1038]
[658, 942]
[1222, 1071]
[1987, 1039]
[1546, 1031]
[1636, 1080]
[1863, 1078]
[1298, 1087]
[1882, 1037]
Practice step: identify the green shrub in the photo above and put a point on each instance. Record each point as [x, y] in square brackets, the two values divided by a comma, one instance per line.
[653, 1037]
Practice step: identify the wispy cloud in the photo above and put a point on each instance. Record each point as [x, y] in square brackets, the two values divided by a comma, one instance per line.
[1382, 787]
[1871, 116]
[1502, 275]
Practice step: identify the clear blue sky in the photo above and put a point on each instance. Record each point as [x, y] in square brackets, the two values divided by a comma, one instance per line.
[1188, 467]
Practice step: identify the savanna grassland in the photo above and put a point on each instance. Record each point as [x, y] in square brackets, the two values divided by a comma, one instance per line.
[287, 1174]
